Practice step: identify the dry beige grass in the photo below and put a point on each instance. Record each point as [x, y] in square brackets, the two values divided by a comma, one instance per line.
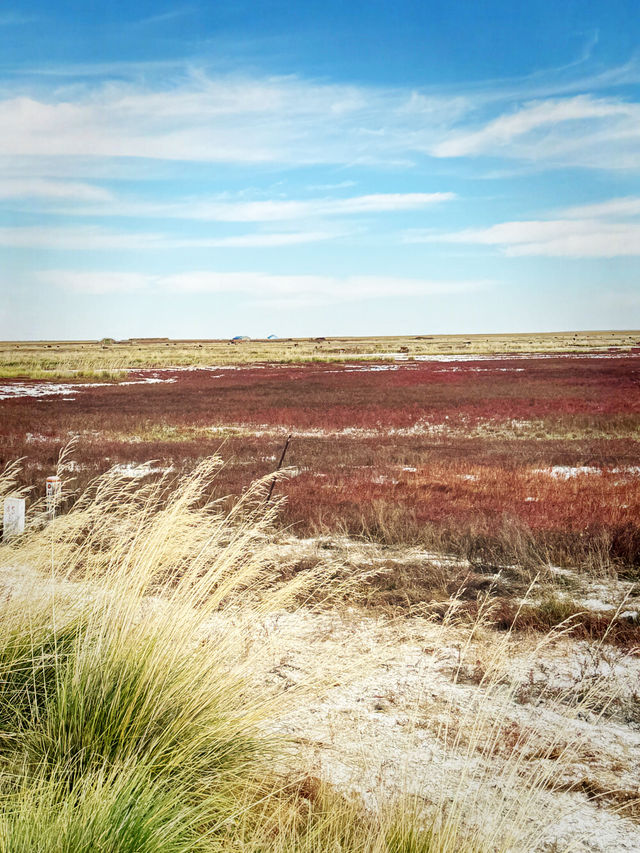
[98, 360]
[434, 718]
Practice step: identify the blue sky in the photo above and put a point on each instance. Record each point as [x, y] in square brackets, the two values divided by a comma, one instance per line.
[318, 168]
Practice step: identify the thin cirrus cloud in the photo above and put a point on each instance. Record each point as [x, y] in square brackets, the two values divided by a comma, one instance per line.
[605, 229]
[41, 188]
[275, 210]
[163, 17]
[568, 238]
[88, 239]
[62, 198]
[225, 119]
[295, 121]
[104, 203]
[580, 130]
[312, 289]
[620, 208]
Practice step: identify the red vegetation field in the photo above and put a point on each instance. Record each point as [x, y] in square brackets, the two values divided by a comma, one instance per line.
[528, 458]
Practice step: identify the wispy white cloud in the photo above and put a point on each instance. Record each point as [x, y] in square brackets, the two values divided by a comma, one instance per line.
[504, 129]
[578, 131]
[293, 121]
[169, 15]
[224, 119]
[89, 239]
[573, 78]
[278, 210]
[41, 188]
[617, 208]
[339, 185]
[570, 238]
[91, 201]
[312, 289]
[132, 70]
[273, 240]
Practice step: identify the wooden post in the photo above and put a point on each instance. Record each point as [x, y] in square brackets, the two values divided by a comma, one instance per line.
[273, 482]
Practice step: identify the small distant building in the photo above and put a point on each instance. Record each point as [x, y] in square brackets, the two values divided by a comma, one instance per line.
[241, 338]
[273, 338]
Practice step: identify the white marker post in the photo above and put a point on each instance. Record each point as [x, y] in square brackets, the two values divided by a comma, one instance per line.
[13, 519]
[54, 493]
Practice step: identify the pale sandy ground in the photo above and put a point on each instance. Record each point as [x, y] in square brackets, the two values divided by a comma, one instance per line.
[385, 707]
[405, 714]
[381, 730]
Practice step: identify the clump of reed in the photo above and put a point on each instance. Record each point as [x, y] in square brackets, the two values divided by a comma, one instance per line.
[121, 726]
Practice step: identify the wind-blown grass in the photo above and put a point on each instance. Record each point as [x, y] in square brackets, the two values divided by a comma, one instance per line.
[128, 717]
[120, 731]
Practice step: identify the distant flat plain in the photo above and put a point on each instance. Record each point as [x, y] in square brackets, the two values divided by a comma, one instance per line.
[66, 359]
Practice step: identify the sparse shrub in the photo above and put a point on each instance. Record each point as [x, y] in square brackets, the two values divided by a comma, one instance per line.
[553, 611]
[457, 461]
